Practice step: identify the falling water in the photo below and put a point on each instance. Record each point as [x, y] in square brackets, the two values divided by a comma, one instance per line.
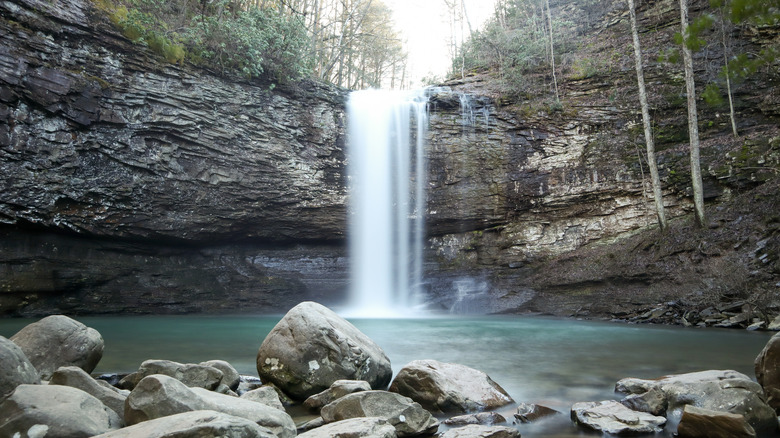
[386, 227]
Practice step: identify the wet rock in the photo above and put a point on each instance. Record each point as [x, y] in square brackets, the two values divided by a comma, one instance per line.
[407, 416]
[158, 396]
[248, 383]
[77, 378]
[775, 324]
[484, 418]
[57, 341]
[193, 375]
[652, 401]
[15, 368]
[369, 427]
[706, 423]
[727, 391]
[528, 412]
[230, 376]
[53, 410]
[200, 424]
[447, 387]
[480, 431]
[338, 389]
[312, 347]
[767, 366]
[313, 424]
[265, 395]
[613, 418]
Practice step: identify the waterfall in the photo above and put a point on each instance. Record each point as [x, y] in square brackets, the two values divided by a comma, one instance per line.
[387, 179]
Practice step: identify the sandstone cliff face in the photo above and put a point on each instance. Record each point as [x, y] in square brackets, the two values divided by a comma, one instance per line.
[134, 186]
[100, 138]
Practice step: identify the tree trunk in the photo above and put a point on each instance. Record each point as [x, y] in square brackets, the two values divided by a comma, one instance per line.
[726, 71]
[693, 122]
[552, 51]
[651, 162]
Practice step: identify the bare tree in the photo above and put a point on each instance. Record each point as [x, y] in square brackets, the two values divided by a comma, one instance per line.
[651, 161]
[552, 51]
[693, 120]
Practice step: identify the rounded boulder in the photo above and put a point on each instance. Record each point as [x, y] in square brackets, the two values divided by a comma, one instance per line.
[768, 371]
[15, 368]
[312, 347]
[58, 341]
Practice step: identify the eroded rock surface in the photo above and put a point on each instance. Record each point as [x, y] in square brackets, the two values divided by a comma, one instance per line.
[611, 417]
[201, 424]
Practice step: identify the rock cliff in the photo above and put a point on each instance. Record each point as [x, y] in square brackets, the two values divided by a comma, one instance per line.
[130, 185]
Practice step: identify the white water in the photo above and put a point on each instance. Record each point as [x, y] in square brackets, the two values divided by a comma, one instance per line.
[387, 201]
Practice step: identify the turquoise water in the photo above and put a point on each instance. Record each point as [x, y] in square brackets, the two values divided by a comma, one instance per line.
[548, 361]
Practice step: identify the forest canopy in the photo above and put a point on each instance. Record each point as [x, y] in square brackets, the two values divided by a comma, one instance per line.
[350, 43]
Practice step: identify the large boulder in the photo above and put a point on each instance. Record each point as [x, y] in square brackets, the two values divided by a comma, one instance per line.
[370, 427]
[200, 424]
[481, 431]
[338, 389]
[407, 416]
[15, 368]
[312, 347]
[53, 410]
[768, 371]
[57, 341]
[726, 391]
[448, 387]
[194, 375]
[614, 418]
[158, 396]
[706, 423]
[77, 378]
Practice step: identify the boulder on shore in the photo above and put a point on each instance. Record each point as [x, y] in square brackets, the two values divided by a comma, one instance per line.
[768, 371]
[338, 389]
[447, 387]
[312, 347]
[15, 368]
[614, 418]
[57, 341]
[727, 391]
[408, 417]
[158, 396]
[193, 375]
[53, 410]
[368, 427]
[706, 423]
[200, 424]
[75, 377]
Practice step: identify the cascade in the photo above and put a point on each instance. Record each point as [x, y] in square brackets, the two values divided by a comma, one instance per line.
[387, 179]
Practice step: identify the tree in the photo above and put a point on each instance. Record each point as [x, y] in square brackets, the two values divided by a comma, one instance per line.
[552, 51]
[651, 161]
[693, 120]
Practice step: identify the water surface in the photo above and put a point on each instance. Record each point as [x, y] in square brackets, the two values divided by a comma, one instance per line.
[548, 361]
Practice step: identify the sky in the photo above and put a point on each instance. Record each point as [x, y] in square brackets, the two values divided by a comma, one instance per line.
[425, 26]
